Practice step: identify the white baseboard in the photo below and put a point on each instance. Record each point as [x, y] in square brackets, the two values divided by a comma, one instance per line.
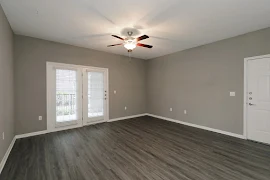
[139, 115]
[66, 128]
[94, 123]
[200, 127]
[4, 160]
[127, 117]
[31, 134]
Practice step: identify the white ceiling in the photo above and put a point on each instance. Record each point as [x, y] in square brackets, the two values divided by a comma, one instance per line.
[172, 25]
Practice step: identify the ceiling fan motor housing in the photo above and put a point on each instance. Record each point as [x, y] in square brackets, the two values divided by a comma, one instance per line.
[130, 33]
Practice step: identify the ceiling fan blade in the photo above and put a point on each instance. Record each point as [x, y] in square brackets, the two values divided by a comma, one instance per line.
[114, 45]
[144, 45]
[142, 37]
[118, 37]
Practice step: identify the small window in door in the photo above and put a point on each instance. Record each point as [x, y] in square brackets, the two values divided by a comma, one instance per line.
[95, 94]
[66, 95]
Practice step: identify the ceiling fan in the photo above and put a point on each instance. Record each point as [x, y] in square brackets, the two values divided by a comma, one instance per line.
[130, 42]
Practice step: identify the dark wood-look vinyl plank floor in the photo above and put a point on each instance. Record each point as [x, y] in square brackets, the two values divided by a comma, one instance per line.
[142, 148]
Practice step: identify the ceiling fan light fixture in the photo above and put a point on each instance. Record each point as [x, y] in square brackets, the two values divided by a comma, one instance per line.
[130, 44]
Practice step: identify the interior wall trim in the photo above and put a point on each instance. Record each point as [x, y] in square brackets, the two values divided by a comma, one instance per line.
[31, 134]
[240, 136]
[140, 115]
[127, 117]
[47, 131]
[4, 160]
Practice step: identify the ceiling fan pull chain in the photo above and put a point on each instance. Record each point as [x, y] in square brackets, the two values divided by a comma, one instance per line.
[129, 54]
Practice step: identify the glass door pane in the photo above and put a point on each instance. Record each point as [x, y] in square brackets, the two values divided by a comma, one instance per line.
[95, 94]
[66, 96]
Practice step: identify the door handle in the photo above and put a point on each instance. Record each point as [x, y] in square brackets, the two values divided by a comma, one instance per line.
[251, 104]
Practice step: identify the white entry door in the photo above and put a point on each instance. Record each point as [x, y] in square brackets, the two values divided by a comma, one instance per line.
[95, 95]
[76, 96]
[258, 100]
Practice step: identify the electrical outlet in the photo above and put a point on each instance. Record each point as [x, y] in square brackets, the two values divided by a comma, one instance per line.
[171, 109]
[125, 107]
[185, 111]
[39, 118]
[3, 135]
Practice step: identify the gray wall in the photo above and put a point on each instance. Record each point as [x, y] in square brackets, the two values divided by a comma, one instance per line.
[6, 84]
[128, 78]
[199, 80]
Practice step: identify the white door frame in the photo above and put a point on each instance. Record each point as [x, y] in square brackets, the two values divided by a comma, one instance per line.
[50, 128]
[246, 88]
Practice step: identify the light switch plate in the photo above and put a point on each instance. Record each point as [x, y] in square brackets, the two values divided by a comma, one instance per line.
[232, 93]
[39, 118]
[171, 109]
[114, 91]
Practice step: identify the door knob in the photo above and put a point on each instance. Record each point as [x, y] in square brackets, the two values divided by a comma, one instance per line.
[251, 104]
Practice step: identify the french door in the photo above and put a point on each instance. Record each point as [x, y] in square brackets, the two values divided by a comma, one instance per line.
[76, 96]
[94, 95]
